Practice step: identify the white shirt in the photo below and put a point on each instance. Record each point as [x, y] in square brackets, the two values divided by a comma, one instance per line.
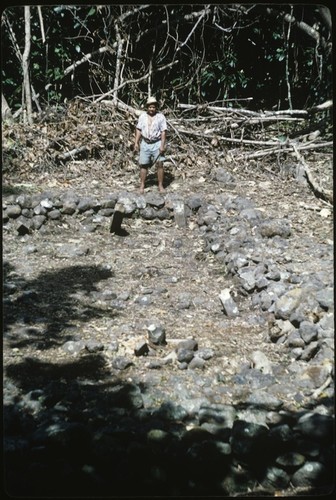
[152, 131]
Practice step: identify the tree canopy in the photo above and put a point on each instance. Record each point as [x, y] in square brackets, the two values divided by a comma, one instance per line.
[271, 56]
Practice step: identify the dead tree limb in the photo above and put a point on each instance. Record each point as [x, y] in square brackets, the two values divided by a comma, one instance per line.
[320, 192]
[86, 58]
[136, 80]
[69, 155]
[27, 100]
[121, 105]
[39, 10]
[6, 113]
[218, 108]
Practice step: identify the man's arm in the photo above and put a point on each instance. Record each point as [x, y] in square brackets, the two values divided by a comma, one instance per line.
[137, 139]
[163, 140]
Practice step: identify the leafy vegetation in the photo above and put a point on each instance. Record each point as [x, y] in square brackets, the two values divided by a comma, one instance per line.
[279, 55]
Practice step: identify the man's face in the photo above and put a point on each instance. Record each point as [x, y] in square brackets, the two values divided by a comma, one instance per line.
[151, 110]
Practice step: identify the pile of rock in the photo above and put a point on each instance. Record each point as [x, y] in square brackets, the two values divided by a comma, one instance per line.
[130, 450]
[241, 238]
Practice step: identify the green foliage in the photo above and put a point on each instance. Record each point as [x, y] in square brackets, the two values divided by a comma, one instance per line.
[221, 52]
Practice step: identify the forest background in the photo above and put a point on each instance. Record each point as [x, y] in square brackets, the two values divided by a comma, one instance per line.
[256, 56]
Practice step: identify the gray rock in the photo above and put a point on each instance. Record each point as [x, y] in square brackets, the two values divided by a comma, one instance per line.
[24, 200]
[260, 362]
[310, 351]
[73, 347]
[155, 200]
[121, 363]
[275, 478]
[70, 251]
[13, 211]
[38, 221]
[315, 426]
[128, 201]
[310, 474]
[24, 225]
[221, 414]
[294, 339]
[184, 355]
[163, 214]
[54, 214]
[325, 326]
[144, 300]
[86, 203]
[247, 278]
[69, 207]
[156, 334]
[39, 210]
[194, 202]
[94, 346]
[246, 439]
[196, 363]
[109, 201]
[141, 349]
[290, 460]
[308, 331]
[184, 301]
[190, 344]
[206, 353]
[325, 298]
[27, 212]
[275, 227]
[229, 306]
[251, 214]
[46, 203]
[222, 175]
[148, 213]
[262, 399]
[170, 411]
[287, 303]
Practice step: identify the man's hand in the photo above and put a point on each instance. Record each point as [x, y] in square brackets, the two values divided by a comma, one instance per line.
[136, 146]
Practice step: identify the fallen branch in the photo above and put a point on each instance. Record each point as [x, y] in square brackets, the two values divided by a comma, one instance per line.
[121, 105]
[321, 107]
[201, 107]
[270, 151]
[326, 195]
[71, 154]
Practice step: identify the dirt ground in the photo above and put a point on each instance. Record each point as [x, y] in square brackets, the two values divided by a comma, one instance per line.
[156, 259]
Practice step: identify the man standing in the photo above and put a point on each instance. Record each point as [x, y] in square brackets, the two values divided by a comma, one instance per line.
[151, 129]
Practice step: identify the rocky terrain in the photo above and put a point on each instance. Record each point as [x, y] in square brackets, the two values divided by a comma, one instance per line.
[190, 354]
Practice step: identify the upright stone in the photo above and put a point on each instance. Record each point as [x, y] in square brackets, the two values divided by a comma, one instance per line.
[117, 218]
[179, 213]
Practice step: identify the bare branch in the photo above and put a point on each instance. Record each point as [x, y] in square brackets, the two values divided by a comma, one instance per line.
[25, 66]
[87, 57]
[318, 190]
[39, 10]
[136, 80]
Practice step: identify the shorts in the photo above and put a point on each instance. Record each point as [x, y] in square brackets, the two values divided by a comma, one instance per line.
[150, 153]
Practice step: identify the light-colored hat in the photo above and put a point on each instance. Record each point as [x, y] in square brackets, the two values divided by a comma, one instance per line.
[151, 100]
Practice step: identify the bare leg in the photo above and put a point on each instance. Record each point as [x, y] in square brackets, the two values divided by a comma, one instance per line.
[160, 175]
[143, 175]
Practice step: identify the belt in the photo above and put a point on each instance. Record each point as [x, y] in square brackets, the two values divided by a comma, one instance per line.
[149, 141]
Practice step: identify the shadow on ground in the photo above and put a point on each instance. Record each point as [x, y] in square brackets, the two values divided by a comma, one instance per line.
[80, 429]
[50, 304]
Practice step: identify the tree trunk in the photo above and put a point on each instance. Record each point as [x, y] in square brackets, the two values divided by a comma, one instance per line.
[6, 113]
[27, 100]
